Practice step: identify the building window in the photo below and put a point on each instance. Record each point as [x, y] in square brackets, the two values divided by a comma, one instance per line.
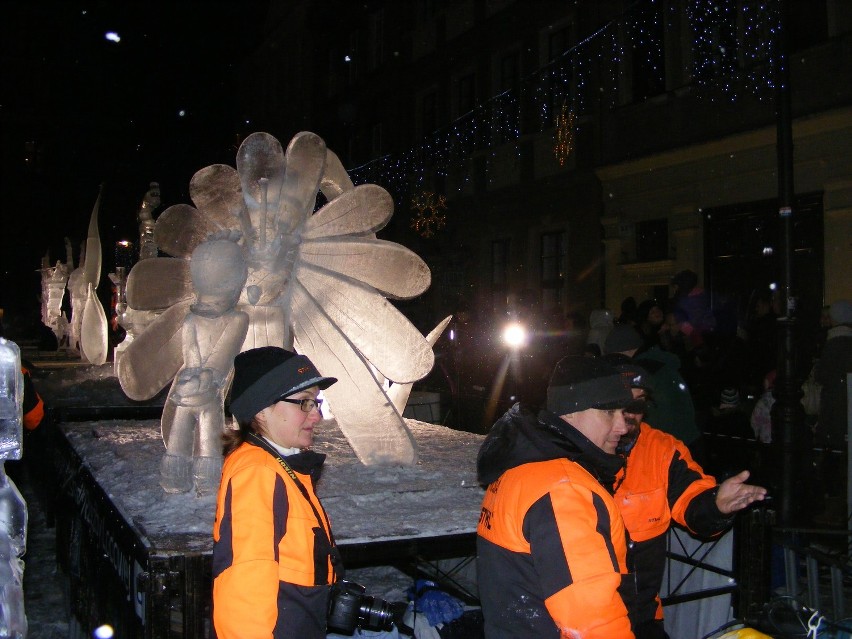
[466, 94]
[506, 108]
[499, 272]
[429, 113]
[376, 145]
[377, 39]
[558, 76]
[652, 240]
[554, 265]
[648, 57]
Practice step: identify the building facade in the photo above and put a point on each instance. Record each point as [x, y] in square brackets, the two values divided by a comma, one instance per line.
[560, 157]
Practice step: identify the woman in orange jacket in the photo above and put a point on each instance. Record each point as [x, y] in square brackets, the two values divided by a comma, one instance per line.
[274, 557]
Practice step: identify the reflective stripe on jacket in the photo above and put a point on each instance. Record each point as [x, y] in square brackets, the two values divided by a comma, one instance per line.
[271, 556]
[551, 554]
[661, 483]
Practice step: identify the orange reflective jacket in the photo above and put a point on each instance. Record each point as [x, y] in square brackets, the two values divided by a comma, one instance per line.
[551, 544]
[33, 404]
[272, 562]
[660, 483]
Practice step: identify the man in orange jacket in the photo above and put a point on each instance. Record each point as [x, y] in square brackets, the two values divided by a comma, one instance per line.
[551, 547]
[660, 484]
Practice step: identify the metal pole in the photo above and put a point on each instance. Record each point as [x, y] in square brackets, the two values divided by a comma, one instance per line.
[788, 415]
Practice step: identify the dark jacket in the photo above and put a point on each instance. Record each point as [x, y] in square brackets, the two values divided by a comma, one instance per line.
[660, 483]
[551, 545]
[834, 364]
[273, 555]
[671, 410]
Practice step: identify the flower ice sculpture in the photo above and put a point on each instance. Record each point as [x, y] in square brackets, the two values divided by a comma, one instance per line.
[316, 282]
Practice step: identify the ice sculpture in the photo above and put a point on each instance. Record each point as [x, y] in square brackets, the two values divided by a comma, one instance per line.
[316, 282]
[53, 281]
[151, 201]
[13, 508]
[212, 334]
[88, 319]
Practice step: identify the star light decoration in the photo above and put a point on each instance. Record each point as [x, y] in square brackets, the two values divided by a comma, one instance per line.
[428, 217]
[564, 135]
[317, 284]
[733, 51]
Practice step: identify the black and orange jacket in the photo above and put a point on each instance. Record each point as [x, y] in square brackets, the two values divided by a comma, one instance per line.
[550, 542]
[660, 483]
[33, 404]
[272, 558]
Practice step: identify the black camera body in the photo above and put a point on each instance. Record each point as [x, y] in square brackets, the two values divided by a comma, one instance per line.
[350, 608]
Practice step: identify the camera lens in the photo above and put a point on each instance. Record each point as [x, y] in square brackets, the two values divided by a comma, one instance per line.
[375, 614]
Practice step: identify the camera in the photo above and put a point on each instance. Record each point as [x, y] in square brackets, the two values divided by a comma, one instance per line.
[350, 608]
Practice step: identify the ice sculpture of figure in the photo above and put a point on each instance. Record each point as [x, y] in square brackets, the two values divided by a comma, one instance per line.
[317, 284]
[151, 201]
[13, 509]
[193, 419]
[77, 289]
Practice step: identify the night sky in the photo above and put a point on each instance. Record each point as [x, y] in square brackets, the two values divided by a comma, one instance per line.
[78, 110]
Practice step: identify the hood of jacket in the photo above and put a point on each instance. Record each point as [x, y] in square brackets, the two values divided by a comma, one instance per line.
[522, 437]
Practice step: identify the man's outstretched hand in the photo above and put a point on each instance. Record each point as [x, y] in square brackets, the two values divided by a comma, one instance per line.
[734, 494]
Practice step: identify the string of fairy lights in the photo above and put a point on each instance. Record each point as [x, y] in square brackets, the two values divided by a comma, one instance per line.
[733, 50]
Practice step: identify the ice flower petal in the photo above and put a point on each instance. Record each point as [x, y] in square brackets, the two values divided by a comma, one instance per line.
[181, 228]
[158, 282]
[386, 266]
[363, 210]
[371, 324]
[215, 190]
[154, 357]
[365, 414]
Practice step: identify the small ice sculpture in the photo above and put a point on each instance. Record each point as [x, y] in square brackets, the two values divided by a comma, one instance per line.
[317, 282]
[193, 418]
[11, 400]
[53, 281]
[13, 508]
[150, 202]
[13, 545]
[89, 322]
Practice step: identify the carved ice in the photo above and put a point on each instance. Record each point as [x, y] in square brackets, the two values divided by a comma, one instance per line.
[193, 417]
[317, 283]
[53, 281]
[93, 321]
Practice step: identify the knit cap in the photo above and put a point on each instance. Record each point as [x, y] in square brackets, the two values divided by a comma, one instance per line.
[264, 375]
[580, 383]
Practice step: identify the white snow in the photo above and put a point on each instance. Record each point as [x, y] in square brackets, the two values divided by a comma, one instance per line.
[438, 496]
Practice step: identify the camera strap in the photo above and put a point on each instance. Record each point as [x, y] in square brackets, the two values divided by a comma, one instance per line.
[322, 520]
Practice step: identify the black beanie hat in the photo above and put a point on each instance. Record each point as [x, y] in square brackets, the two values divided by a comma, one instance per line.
[580, 383]
[622, 338]
[263, 375]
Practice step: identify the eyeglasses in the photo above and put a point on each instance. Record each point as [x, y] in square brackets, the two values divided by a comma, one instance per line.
[306, 405]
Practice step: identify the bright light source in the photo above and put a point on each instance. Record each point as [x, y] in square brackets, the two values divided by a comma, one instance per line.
[767, 250]
[104, 632]
[346, 58]
[773, 286]
[124, 243]
[452, 334]
[182, 113]
[515, 335]
[112, 36]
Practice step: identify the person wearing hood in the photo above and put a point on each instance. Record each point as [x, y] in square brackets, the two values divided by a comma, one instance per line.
[834, 364]
[661, 484]
[274, 556]
[551, 544]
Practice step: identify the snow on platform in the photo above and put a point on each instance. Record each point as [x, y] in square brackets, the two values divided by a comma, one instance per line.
[438, 497]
